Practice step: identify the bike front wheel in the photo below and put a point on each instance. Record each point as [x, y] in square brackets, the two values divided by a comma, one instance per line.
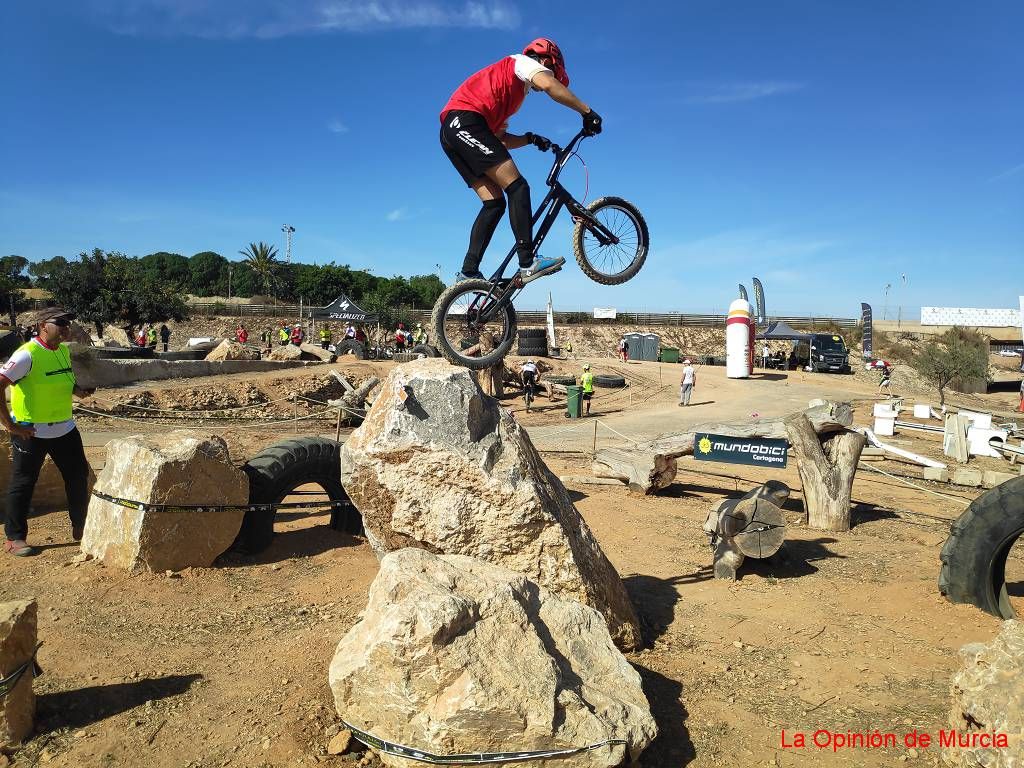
[605, 262]
[468, 331]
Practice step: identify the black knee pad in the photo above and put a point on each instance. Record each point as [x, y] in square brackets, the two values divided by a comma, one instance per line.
[493, 208]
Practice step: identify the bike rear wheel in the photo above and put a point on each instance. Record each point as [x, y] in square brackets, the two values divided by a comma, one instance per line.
[613, 263]
[457, 320]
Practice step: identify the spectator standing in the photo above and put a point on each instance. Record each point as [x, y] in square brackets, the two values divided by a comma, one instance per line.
[765, 355]
[165, 335]
[151, 337]
[587, 380]
[419, 336]
[400, 337]
[325, 336]
[360, 335]
[284, 335]
[41, 424]
[140, 337]
[241, 334]
[298, 335]
[687, 383]
[1021, 406]
[350, 331]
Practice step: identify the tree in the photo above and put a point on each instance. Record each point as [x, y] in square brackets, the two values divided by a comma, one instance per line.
[169, 268]
[956, 355]
[427, 289]
[12, 280]
[262, 260]
[42, 271]
[207, 274]
[111, 288]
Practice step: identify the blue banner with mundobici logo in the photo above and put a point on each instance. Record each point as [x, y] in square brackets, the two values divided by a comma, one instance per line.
[755, 451]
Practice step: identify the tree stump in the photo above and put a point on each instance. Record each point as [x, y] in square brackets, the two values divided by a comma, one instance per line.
[751, 526]
[826, 468]
[491, 380]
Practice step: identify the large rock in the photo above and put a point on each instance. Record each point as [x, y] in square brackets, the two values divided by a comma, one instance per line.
[80, 336]
[181, 467]
[232, 350]
[457, 655]
[286, 352]
[113, 333]
[988, 699]
[449, 471]
[317, 352]
[17, 647]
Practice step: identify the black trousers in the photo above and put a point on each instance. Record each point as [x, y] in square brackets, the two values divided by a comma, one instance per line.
[27, 456]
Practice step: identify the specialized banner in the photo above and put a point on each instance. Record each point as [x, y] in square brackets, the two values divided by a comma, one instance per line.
[605, 313]
[761, 318]
[743, 293]
[756, 451]
[865, 319]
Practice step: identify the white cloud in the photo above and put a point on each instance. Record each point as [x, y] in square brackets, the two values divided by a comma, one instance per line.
[336, 126]
[1008, 172]
[729, 93]
[266, 19]
[399, 214]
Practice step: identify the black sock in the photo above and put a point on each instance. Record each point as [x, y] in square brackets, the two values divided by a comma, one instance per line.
[480, 236]
[520, 216]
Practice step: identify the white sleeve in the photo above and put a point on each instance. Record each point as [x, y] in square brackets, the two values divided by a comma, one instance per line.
[527, 68]
[17, 366]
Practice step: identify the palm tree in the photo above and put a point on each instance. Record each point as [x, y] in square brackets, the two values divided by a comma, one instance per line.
[262, 260]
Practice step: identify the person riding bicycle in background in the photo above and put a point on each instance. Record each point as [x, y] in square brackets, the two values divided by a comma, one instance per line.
[474, 136]
[528, 372]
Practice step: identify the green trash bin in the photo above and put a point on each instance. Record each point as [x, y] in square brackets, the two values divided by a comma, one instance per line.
[669, 355]
[575, 402]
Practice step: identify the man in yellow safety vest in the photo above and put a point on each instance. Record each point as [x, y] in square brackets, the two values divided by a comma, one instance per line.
[40, 423]
[587, 380]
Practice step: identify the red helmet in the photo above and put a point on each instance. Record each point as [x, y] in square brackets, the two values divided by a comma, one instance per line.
[542, 46]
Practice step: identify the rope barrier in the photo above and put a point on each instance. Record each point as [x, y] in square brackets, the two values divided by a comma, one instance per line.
[899, 479]
[202, 410]
[236, 426]
[7, 683]
[471, 758]
[614, 431]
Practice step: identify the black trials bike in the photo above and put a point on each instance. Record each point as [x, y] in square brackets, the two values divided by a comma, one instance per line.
[474, 321]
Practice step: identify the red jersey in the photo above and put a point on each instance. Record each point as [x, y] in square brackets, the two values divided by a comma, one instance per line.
[496, 92]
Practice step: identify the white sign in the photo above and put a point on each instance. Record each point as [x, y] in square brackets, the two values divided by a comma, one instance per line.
[604, 313]
[971, 316]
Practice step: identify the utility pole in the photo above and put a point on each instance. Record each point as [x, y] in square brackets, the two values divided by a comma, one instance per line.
[288, 229]
[229, 281]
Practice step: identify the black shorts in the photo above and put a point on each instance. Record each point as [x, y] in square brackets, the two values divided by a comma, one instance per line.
[587, 395]
[470, 144]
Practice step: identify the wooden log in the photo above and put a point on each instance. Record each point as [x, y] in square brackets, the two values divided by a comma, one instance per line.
[826, 471]
[648, 467]
[751, 526]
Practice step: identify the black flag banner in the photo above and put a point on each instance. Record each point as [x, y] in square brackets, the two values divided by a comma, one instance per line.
[762, 318]
[865, 319]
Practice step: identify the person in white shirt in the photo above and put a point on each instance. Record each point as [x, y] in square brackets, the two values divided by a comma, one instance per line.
[765, 355]
[688, 382]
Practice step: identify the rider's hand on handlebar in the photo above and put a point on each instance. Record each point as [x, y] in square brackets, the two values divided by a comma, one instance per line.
[591, 123]
[538, 141]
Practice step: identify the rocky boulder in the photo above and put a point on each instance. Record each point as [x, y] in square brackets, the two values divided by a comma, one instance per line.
[456, 655]
[80, 336]
[287, 352]
[232, 350]
[988, 700]
[316, 352]
[118, 335]
[182, 467]
[17, 649]
[440, 466]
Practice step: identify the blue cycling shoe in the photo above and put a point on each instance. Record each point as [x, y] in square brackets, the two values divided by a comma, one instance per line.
[541, 266]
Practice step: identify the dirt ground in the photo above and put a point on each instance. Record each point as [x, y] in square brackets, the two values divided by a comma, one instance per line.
[228, 665]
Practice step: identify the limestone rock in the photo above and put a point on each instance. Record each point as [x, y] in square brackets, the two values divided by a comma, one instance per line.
[181, 467]
[232, 350]
[455, 655]
[17, 645]
[317, 352]
[447, 470]
[113, 333]
[80, 336]
[988, 697]
[287, 352]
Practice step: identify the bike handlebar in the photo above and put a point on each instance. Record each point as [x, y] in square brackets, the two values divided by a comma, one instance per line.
[562, 155]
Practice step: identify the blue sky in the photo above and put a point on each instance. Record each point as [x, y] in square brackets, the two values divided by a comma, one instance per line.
[827, 147]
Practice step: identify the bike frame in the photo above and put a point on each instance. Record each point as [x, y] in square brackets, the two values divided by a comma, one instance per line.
[558, 197]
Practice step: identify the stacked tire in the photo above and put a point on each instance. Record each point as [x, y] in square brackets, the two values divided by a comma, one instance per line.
[351, 347]
[533, 342]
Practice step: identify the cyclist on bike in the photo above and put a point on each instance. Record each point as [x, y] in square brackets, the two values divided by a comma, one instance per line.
[474, 136]
[529, 375]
